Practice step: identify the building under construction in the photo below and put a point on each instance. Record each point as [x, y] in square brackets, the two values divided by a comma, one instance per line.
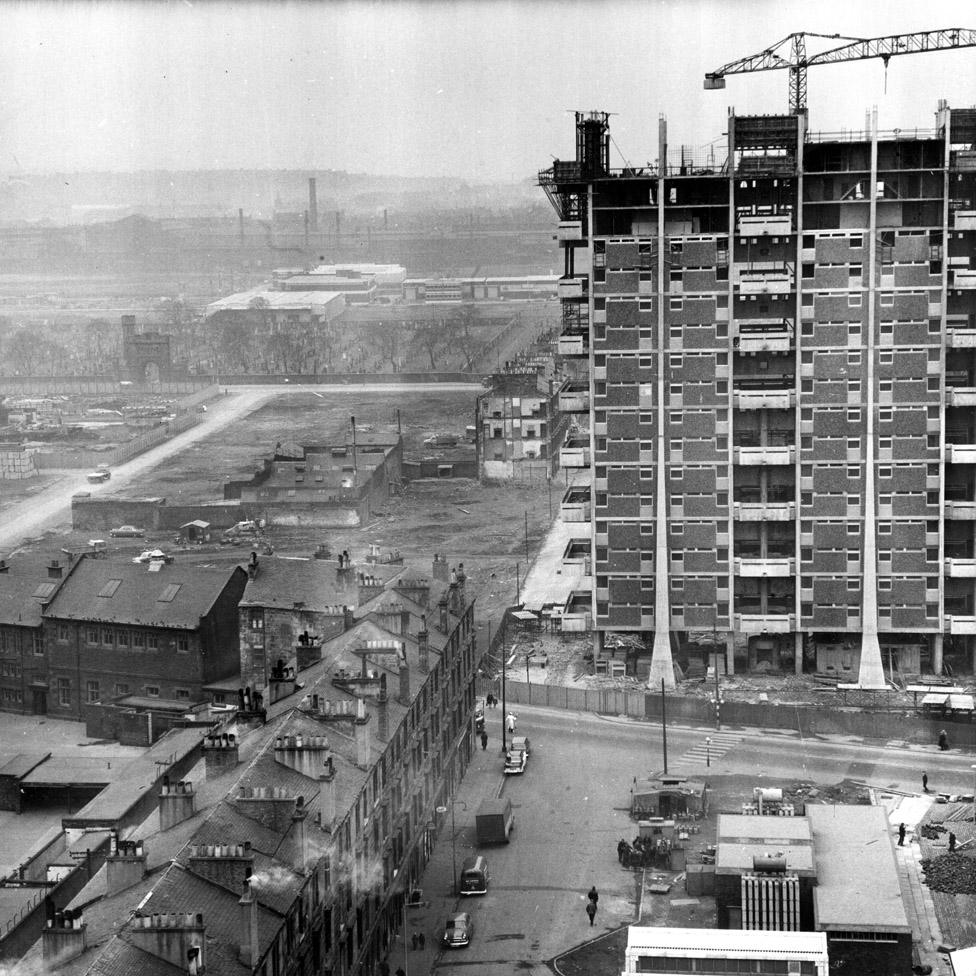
[780, 345]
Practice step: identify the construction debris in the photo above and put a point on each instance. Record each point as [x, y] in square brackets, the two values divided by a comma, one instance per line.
[952, 873]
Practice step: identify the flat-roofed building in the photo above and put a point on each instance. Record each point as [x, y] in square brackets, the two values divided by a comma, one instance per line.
[673, 951]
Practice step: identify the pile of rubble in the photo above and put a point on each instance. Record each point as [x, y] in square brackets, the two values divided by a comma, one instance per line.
[952, 873]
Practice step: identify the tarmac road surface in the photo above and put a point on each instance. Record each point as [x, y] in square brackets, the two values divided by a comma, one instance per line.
[51, 507]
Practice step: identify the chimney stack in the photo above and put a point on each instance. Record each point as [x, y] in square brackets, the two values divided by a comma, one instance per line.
[225, 864]
[249, 949]
[328, 802]
[65, 937]
[252, 565]
[302, 753]
[423, 644]
[299, 838]
[55, 570]
[125, 864]
[404, 684]
[176, 803]
[176, 938]
[361, 727]
[220, 754]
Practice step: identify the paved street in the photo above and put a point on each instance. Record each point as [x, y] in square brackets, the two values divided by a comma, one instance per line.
[571, 808]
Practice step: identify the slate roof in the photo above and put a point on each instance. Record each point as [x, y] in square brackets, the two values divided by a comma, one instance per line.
[19, 606]
[177, 597]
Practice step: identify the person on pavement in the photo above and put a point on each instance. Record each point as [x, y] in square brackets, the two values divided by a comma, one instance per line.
[901, 835]
[943, 740]
[510, 721]
[925, 782]
[593, 895]
[591, 910]
[484, 740]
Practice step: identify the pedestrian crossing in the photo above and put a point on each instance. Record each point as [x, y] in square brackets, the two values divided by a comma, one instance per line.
[712, 747]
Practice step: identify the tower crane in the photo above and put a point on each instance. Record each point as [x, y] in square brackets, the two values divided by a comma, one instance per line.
[855, 49]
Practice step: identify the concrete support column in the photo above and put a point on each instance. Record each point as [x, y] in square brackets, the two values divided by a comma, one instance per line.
[797, 652]
[936, 654]
[730, 653]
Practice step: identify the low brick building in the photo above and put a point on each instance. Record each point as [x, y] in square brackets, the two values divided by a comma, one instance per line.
[116, 629]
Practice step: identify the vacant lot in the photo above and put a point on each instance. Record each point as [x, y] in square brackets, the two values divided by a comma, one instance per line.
[483, 527]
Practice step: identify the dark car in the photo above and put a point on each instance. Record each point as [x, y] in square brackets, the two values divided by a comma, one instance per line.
[458, 931]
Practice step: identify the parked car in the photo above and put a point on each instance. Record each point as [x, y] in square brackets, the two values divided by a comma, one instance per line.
[127, 532]
[515, 760]
[98, 477]
[521, 743]
[458, 931]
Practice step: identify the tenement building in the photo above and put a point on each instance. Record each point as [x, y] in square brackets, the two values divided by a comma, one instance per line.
[780, 346]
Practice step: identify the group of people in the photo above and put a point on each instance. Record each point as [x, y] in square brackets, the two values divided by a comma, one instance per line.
[643, 851]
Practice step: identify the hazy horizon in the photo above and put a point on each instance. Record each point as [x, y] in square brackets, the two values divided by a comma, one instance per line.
[472, 90]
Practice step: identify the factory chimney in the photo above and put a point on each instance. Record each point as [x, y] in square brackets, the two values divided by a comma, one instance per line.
[313, 206]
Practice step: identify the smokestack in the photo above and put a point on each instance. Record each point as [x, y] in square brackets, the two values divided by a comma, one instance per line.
[240, 224]
[313, 206]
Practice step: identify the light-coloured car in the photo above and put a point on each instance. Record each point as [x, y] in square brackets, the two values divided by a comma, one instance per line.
[127, 532]
[458, 931]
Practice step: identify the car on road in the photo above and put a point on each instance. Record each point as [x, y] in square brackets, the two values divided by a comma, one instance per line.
[520, 742]
[98, 477]
[152, 556]
[515, 760]
[458, 931]
[127, 532]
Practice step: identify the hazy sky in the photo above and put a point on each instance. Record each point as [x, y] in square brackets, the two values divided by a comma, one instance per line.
[475, 89]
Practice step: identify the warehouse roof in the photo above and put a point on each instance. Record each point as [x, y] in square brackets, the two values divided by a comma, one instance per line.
[742, 838]
[726, 943]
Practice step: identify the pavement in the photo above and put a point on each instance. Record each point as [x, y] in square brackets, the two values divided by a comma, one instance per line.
[483, 780]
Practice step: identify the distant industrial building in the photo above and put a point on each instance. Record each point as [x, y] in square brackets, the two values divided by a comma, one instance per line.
[265, 310]
[777, 343]
[480, 289]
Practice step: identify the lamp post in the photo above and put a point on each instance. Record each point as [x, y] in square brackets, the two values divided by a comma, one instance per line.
[708, 750]
[973, 768]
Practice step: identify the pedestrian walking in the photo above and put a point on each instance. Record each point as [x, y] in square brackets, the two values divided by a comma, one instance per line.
[484, 740]
[421, 941]
[510, 721]
[414, 940]
[591, 910]
[593, 895]
[925, 782]
[901, 835]
[952, 842]
[943, 740]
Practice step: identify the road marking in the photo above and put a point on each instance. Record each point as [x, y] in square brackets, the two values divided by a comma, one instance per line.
[703, 752]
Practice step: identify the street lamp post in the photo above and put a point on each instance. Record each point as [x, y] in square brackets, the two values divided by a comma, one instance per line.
[708, 750]
[973, 768]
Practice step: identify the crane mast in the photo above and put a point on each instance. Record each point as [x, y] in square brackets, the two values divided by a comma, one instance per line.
[855, 49]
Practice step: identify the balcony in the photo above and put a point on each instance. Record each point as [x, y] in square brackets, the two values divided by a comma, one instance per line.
[781, 399]
[569, 230]
[777, 224]
[961, 396]
[575, 506]
[753, 456]
[765, 623]
[574, 398]
[764, 567]
[960, 509]
[762, 335]
[960, 338]
[960, 453]
[571, 288]
[959, 624]
[577, 553]
[573, 344]
[960, 568]
[764, 511]
[963, 278]
[763, 278]
[575, 453]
